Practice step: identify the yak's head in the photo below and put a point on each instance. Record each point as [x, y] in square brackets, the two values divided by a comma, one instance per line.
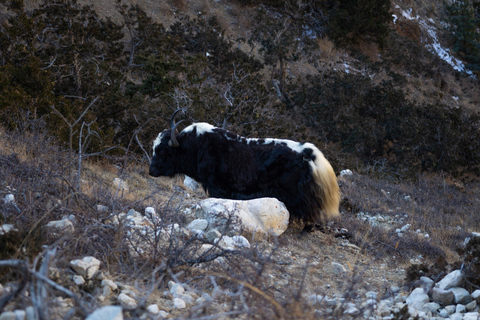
[165, 147]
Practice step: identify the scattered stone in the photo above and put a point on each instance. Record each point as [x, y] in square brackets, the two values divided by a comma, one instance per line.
[153, 309]
[212, 235]
[351, 309]
[426, 283]
[384, 308]
[109, 283]
[417, 298]
[460, 308]
[450, 309]
[31, 313]
[179, 303]
[9, 198]
[476, 295]
[471, 316]
[190, 183]
[106, 291]
[176, 288]
[461, 295]
[78, 280]
[443, 313]
[456, 316]
[198, 224]
[126, 300]
[102, 208]
[20, 314]
[61, 226]
[150, 212]
[8, 315]
[163, 314]
[107, 313]
[6, 228]
[86, 267]
[346, 172]
[431, 307]
[471, 305]
[338, 268]
[233, 242]
[444, 297]
[453, 279]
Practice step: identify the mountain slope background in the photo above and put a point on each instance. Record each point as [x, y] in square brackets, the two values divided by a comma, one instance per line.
[370, 81]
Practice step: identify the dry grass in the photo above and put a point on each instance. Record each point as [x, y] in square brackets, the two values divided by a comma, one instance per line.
[278, 274]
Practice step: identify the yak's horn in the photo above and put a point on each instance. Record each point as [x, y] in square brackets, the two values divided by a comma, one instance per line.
[173, 139]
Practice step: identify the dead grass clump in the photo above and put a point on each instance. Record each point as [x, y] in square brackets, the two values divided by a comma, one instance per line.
[438, 213]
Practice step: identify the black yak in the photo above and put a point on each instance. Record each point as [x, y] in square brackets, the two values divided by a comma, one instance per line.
[234, 167]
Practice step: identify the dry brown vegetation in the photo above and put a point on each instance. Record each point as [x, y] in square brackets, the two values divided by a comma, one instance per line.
[273, 279]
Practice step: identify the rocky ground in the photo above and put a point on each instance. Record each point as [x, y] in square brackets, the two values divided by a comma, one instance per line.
[232, 274]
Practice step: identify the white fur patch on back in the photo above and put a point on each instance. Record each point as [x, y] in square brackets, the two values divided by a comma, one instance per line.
[202, 127]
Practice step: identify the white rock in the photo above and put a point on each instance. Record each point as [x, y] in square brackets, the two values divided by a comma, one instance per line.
[405, 228]
[9, 198]
[177, 288]
[476, 295]
[179, 303]
[20, 314]
[8, 315]
[451, 280]
[338, 268]
[86, 267]
[78, 280]
[456, 316]
[6, 228]
[351, 309]
[126, 300]
[107, 313]
[450, 309]
[262, 217]
[102, 208]
[233, 242]
[471, 316]
[384, 308]
[471, 305]
[461, 295]
[107, 291]
[109, 283]
[153, 309]
[346, 172]
[443, 313]
[63, 225]
[460, 308]
[31, 313]
[163, 314]
[190, 183]
[431, 307]
[198, 224]
[211, 235]
[417, 298]
[150, 212]
[426, 283]
[315, 298]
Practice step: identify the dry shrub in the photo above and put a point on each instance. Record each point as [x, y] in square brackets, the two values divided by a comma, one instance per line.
[436, 207]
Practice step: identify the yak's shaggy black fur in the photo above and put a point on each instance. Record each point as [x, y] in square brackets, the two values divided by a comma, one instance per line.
[234, 167]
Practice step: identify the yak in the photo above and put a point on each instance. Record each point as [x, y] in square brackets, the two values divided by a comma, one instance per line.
[234, 167]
